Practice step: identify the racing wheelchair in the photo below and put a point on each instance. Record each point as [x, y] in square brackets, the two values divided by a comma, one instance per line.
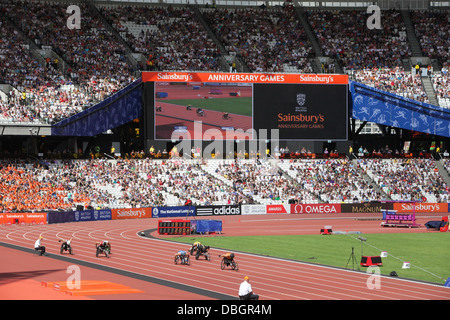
[228, 261]
[65, 246]
[103, 248]
[202, 251]
[182, 259]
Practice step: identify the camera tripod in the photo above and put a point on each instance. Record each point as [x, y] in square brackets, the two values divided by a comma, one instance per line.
[353, 259]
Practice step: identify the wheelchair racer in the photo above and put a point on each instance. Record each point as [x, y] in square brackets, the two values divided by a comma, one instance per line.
[104, 245]
[65, 245]
[195, 247]
[202, 250]
[227, 257]
[182, 255]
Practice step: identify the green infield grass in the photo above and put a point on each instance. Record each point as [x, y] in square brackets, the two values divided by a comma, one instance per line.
[428, 253]
[236, 105]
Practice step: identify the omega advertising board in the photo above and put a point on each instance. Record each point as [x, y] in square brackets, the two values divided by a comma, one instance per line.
[315, 208]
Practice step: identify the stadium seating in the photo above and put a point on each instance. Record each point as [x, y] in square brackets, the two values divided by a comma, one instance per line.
[173, 34]
[268, 40]
[431, 28]
[89, 65]
[363, 53]
[80, 68]
[123, 183]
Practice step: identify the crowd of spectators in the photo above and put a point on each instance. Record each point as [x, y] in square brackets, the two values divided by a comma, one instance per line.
[29, 186]
[431, 28]
[173, 36]
[23, 72]
[344, 35]
[441, 86]
[333, 180]
[267, 40]
[124, 183]
[91, 51]
[408, 179]
[433, 33]
[94, 64]
[261, 181]
[371, 56]
[394, 80]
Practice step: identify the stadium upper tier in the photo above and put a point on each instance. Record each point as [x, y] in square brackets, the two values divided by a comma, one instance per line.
[125, 183]
[51, 72]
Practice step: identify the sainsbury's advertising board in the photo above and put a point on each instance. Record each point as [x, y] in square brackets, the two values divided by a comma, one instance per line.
[236, 105]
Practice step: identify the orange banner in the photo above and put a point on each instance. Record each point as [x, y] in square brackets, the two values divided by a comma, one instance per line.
[23, 218]
[421, 207]
[131, 213]
[244, 77]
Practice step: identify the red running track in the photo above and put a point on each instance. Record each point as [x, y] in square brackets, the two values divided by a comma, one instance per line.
[136, 259]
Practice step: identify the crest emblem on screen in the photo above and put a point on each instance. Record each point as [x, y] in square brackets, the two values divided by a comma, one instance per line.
[301, 99]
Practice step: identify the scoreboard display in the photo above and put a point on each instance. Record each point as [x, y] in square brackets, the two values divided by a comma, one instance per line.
[232, 106]
[174, 227]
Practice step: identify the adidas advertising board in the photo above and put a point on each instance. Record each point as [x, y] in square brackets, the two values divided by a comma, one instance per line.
[219, 210]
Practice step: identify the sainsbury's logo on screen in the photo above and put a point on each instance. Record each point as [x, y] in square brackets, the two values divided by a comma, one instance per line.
[174, 76]
[317, 78]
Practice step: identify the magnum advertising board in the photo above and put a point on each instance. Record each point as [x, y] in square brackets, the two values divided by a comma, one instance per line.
[367, 207]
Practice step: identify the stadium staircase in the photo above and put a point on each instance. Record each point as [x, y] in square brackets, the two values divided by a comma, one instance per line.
[315, 44]
[36, 50]
[211, 167]
[443, 172]
[429, 90]
[311, 36]
[96, 12]
[410, 33]
[369, 180]
[223, 61]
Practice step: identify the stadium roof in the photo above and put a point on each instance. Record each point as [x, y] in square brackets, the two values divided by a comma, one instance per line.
[383, 4]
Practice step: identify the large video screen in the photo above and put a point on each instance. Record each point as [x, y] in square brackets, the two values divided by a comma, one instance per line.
[231, 106]
[302, 111]
[205, 110]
